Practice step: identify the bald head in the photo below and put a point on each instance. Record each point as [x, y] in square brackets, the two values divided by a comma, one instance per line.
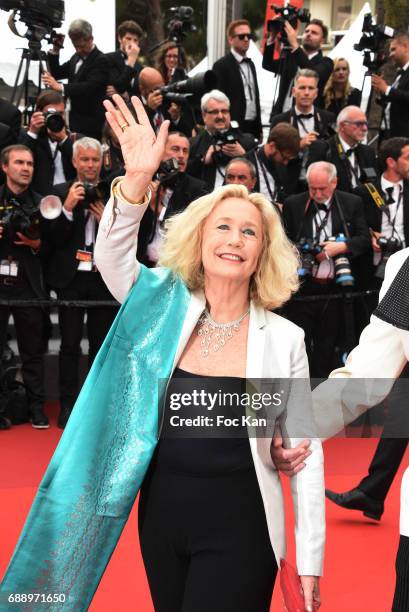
[149, 80]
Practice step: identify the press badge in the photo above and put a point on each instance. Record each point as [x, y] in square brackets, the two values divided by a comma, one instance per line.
[85, 259]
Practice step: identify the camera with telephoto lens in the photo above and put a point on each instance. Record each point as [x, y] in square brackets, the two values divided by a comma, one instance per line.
[95, 192]
[285, 14]
[14, 217]
[372, 43]
[190, 89]
[342, 265]
[40, 17]
[54, 121]
[308, 249]
[389, 246]
[168, 172]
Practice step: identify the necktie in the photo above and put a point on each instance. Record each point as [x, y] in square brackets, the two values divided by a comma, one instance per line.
[307, 116]
[350, 151]
[246, 59]
[390, 198]
[321, 207]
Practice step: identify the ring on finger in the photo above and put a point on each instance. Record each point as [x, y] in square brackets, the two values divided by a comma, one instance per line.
[124, 125]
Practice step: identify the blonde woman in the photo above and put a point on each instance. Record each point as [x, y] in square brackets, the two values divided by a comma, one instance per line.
[211, 514]
[338, 92]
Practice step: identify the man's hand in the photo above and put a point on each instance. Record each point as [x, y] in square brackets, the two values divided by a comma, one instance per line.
[311, 590]
[75, 195]
[331, 249]
[208, 158]
[154, 100]
[379, 84]
[308, 139]
[132, 50]
[174, 111]
[291, 35]
[50, 82]
[24, 241]
[375, 246]
[289, 461]
[233, 150]
[110, 90]
[37, 122]
[142, 150]
[97, 209]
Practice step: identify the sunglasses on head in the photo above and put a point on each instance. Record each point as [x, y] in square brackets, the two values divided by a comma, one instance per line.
[244, 36]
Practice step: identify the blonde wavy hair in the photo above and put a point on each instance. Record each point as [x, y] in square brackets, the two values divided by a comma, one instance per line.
[276, 276]
[329, 92]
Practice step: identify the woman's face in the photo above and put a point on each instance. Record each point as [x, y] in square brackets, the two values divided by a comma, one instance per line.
[341, 72]
[232, 240]
[171, 58]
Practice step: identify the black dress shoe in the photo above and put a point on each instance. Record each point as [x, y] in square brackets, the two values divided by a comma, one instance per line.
[38, 419]
[355, 499]
[63, 417]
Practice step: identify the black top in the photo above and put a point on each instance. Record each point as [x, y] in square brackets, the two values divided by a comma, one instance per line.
[194, 450]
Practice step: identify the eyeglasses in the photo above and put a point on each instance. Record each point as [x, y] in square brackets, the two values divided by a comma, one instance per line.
[359, 124]
[216, 111]
[248, 36]
[172, 56]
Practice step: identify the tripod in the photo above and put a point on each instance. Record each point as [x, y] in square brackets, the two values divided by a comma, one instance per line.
[33, 53]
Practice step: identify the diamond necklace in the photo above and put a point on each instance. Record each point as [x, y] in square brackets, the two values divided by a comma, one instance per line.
[215, 335]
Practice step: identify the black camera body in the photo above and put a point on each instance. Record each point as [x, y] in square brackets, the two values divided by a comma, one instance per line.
[94, 193]
[54, 121]
[286, 13]
[388, 246]
[15, 217]
[224, 138]
[181, 23]
[47, 13]
[308, 249]
[168, 172]
[372, 43]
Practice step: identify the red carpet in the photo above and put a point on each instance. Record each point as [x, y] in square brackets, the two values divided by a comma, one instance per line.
[359, 566]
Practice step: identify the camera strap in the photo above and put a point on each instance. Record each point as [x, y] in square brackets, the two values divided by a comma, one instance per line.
[322, 224]
[273, 195]
[392, 222]
[351, 170]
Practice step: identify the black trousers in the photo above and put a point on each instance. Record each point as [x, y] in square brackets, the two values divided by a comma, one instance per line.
[321, 322]
[401, 597]
[205, 543]
[84, 286]
[29, 326]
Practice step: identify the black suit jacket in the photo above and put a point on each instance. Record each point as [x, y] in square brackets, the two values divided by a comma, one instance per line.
[30, 262]
[86, 90]
[288, 68]
[298, 223]
[328, 151]
[186, 190]
[323, 120]
[43, 160]
[10, 116]
[65, 238]
[230, 82]
[399, 111]
[123, 77]
[198, 148]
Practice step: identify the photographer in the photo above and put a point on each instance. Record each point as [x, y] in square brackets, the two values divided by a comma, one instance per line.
[395, 97]
[51, 143]
[308, 55]
[71, 272]
[241, 171]
[386, 208]
[173, 191]
[211, 151]
[124, 65]
[157, 108]
[88, 76]
[237, 78]
[21, 274]
[330, 230]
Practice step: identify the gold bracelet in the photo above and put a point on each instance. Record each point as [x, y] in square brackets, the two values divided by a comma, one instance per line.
[117, 192]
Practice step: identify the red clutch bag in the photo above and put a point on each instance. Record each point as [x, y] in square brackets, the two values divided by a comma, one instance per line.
[291, 588]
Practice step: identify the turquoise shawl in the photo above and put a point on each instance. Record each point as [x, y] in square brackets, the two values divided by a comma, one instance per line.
[92, 481]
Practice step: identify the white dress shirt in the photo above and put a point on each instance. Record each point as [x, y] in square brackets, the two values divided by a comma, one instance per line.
[248, 84]
[395, 212]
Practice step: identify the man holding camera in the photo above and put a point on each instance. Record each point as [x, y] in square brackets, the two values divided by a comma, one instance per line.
[308, 55]
[395, 97]
[237, 78]
[173, 191]
[330, 230]
[211, 151]
[71, 271]
[124, 65]
[51, 143]
[21, 274]
[88, 76]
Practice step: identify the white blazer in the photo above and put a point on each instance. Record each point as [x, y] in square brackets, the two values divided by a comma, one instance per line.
[382, 353]
[275, 349]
